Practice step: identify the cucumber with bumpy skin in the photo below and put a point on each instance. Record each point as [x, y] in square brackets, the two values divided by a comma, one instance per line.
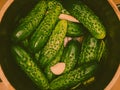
[50, 76]
[25, 43]
[44, 30]
[91, 50]
[64, 11]
[54, 43]
[26, 63]
[74, 29]
[30, 22]
[52, 3]
[86, 16]
[37, 56]
[72, 78]
[70, 55]
[83, 85]
[101, 50]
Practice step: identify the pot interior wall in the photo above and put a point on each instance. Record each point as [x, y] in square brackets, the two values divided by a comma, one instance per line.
[20, 8]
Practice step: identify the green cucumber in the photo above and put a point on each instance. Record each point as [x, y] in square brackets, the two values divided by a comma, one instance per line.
[49, 74]
[74, 77]
[54, 43]
[74, 29]
[52, 4]
[44, 30]
[86, 16]
[90, 49]
[101, 50]
[76, 86]
[89, 81]
[26, 63]
[37, 56]
[70, 55]
[83, 85]
[25, 43]
[30, 22]
[64, 11]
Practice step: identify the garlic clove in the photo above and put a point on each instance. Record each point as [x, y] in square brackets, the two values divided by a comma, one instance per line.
[58, 68]
[68, 17]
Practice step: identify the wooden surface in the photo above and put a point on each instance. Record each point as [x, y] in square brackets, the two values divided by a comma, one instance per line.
[114, 4]
[116, 1]
[4, 4]
[5, 85]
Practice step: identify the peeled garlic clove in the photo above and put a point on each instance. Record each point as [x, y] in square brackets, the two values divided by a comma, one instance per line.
[69, 38]
[65, 41]
[68, 17]
[80, 39]
[58, 68]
